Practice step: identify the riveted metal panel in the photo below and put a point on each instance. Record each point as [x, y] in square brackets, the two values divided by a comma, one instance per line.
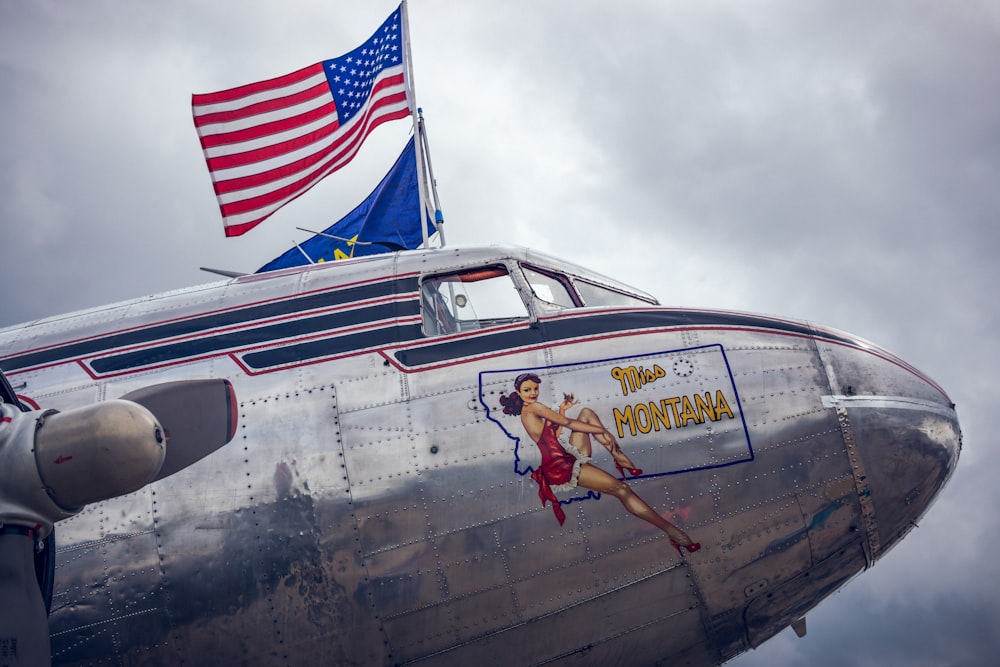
[775, 610]
[613, 628]
[762, 542]
[437, 625]
[254, 537]
[108, 571]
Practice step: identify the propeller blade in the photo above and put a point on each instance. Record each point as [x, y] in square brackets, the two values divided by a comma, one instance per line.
[24, 626]
[199, 417]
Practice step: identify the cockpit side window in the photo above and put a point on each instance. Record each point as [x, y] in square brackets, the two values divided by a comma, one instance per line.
[470, 300]
[598, 295]
[552, 288]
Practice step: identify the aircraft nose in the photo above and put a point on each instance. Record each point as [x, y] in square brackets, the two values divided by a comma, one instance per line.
[902, 436]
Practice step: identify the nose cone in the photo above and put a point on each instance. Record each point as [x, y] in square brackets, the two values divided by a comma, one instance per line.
[901, 432]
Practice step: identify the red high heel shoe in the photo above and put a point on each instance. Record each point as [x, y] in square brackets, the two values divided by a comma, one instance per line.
[694, 546]
[616, 449]
[635, 472]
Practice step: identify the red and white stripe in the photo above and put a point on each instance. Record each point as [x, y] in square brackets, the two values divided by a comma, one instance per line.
[266, 143]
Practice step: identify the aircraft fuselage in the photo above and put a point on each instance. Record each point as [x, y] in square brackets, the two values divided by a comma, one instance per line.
[378, 505]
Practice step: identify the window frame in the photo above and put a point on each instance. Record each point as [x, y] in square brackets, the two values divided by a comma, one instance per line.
[562, 278]
[440, 304]
[642, 302]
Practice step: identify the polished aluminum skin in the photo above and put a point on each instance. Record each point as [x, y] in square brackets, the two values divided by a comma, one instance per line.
[376, 506]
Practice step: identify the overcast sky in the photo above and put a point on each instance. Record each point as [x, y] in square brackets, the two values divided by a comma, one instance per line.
[837, 161]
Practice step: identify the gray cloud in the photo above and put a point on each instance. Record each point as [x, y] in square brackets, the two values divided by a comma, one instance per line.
[835, 161]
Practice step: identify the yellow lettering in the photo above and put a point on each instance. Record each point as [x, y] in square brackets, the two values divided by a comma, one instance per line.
[632, 378]
[705, 408]
[687, 412]
[659, 415]
[668, 413]
[672, 402]
[339, 254]
[641, 412]
[624, 419]
[618, 374]
[721, 407]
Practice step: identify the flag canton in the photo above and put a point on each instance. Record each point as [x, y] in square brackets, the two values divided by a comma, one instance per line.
[351, 76]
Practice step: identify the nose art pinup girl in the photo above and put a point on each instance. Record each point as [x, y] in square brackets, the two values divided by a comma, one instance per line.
[565, 467]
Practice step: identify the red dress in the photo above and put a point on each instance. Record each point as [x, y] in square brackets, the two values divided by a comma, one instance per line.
[559, 469]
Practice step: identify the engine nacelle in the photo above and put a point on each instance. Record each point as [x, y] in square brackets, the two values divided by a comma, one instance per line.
[54, 463]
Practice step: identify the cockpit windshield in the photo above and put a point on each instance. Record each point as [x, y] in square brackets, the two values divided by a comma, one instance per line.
[599, 295]
[550, 287]
[489, 295]
[564, 291]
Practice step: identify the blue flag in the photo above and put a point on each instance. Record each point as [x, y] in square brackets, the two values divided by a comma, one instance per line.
[386, 221]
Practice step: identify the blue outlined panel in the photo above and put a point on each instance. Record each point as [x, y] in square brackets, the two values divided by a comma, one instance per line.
[671, 412]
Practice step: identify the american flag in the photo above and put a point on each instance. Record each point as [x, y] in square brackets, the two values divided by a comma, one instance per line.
[266, 143]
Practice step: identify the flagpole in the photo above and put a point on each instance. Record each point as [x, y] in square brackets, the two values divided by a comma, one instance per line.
[438, 215]
[411, 98]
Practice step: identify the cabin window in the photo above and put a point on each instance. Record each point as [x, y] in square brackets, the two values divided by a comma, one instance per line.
[551, 288]
[598, 295]
[470, 300]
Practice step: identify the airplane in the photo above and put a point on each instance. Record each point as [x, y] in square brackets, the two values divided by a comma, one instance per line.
[447, 456]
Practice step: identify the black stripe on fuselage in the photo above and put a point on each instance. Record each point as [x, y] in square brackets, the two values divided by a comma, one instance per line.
[198, 324]
[330, 347]
[306, 326]
[566, 328]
